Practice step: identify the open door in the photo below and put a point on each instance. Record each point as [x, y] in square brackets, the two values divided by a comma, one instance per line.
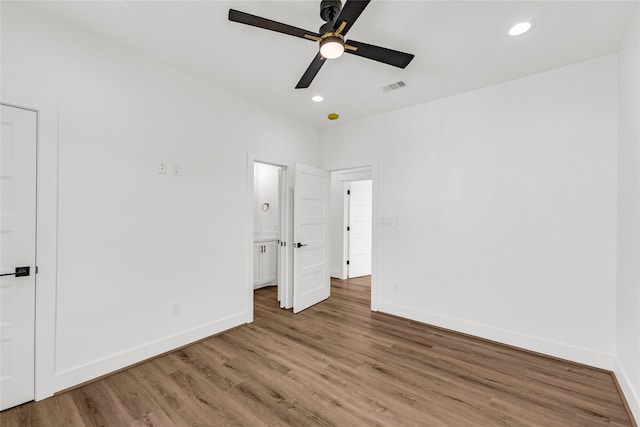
[359, 228]
[311, 281]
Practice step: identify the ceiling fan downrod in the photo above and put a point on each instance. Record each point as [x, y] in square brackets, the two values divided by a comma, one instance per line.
[329, 10]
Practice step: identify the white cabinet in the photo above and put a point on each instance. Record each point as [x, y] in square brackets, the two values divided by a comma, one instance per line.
[265, 263]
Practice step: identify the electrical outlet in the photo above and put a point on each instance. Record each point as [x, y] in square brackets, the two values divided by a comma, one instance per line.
[162, 168]
[175, 308]
[177, 169]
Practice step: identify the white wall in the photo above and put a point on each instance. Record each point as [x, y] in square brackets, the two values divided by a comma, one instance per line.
[132, 242]
[505, 199]
[628, 296]
[266, 190]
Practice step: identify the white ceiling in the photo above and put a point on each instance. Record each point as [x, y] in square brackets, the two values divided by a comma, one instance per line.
[458, 46]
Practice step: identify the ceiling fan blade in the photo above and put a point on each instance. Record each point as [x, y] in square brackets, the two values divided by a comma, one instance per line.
[349, 13]
[380, 54]
[267, 24]
[311, 72]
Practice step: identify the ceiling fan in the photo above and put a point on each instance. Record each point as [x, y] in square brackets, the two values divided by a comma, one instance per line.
[331, 37]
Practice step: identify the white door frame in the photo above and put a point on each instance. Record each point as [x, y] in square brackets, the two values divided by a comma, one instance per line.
[284, 296]
[358, 173]
[46, 236]
[347, 176]
[285, 290]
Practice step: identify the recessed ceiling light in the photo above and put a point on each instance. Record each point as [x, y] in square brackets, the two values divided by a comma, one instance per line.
[520, 28]
[317, 98]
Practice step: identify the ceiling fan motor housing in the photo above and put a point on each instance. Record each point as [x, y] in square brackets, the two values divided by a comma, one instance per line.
[329, 10]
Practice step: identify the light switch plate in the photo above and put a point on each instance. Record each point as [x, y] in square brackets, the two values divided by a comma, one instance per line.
[389, 221]
[162, 168]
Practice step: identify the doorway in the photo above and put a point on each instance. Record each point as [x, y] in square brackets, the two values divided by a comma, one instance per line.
[303, 205]
[269, 228]
[352, 219]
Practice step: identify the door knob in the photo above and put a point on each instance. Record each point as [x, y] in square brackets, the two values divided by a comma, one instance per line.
[299, 245]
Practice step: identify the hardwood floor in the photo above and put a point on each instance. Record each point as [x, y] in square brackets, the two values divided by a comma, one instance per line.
[338, 364]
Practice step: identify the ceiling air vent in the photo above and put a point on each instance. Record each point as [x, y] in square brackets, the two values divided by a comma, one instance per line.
[394, 86]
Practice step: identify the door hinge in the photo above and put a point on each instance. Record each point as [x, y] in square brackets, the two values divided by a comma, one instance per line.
[348, 228]
[347, 262]
[348, 192]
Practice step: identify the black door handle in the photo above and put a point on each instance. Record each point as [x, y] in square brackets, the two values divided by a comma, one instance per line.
[299, 245]
[20, 272]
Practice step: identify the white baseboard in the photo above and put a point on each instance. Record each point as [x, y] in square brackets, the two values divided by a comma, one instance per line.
[512, 338]
[264, 285]
[80, 374]
[630, 393]
[336, 274]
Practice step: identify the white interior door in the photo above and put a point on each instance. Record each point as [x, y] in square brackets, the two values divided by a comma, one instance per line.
[311, 281]
[360, 213]
[17, 249]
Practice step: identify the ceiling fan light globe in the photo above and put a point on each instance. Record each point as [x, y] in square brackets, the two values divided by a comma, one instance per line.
[332, 47]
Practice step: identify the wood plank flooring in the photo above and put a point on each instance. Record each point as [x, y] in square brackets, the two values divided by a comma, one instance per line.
[338, 364]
